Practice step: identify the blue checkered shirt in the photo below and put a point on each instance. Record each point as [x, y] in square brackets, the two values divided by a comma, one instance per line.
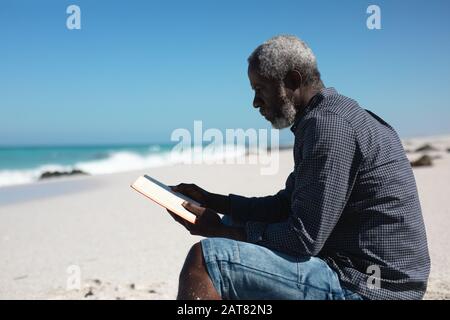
[350, 200]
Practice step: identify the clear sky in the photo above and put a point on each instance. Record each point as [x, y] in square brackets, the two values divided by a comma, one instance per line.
[137, 70]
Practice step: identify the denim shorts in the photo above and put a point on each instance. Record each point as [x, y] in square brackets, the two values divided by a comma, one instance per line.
[241, 270]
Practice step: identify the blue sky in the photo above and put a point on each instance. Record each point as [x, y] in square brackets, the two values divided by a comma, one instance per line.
[137, 70]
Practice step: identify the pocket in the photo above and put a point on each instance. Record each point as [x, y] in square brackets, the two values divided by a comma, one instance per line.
[315, 273]
[350, 295]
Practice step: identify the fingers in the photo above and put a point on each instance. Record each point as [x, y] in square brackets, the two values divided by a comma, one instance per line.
[198, 211]
[183, 187]
[178, 188]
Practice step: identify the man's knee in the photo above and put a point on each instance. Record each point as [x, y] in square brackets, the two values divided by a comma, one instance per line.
[195, 282]
[194, 264]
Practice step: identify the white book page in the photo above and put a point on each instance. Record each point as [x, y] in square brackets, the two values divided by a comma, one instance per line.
[164, 196]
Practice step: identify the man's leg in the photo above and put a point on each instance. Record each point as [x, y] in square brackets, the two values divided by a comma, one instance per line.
[240, 270]
[195, 283]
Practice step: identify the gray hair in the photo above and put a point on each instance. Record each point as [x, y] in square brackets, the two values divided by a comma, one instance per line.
[281, 54]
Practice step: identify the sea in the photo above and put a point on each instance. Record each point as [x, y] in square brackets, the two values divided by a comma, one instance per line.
[20, 165]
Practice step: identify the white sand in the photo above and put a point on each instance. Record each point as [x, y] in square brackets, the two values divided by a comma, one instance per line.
[126, 247]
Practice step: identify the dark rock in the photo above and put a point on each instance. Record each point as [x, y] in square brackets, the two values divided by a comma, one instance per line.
[426, 147]
[132, 286]
[89, 293]
[448, 150]
[151, 291]
[422, 161]
[52, 174]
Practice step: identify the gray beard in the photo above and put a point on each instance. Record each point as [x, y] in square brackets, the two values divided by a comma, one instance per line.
[288, 112]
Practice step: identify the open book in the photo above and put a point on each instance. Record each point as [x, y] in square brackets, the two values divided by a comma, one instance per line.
[164, 196]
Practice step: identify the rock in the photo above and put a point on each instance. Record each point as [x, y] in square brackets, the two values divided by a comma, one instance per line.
[424, 160]
[426, 147]
[448, 150]
[52, 174]
[89, 293]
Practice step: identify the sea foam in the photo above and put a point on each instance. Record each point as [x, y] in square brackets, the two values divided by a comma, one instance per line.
[121, 161]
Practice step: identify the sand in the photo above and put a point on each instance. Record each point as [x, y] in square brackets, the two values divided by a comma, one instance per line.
[95, 238]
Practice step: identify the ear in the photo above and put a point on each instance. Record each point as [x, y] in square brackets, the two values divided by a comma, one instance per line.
[293, 80]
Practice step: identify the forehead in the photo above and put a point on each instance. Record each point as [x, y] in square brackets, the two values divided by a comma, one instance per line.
[256, 78]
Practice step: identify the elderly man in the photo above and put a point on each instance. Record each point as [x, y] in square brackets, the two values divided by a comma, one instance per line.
[347, 225]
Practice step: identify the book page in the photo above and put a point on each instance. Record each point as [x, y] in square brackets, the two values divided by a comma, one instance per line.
[164, 196]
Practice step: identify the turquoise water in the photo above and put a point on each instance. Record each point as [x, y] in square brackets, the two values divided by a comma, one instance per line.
[26, 164]
[13, 158]
[20, 165]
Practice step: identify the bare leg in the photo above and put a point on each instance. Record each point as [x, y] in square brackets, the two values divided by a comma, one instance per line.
[195, 283]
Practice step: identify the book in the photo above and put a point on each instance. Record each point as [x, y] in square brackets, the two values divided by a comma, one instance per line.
[164, 196]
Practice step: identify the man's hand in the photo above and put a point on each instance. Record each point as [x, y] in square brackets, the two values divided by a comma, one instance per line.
[194, 192]
[217, 202]
[208, 224]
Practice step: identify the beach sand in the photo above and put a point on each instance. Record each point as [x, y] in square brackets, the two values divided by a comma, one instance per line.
[123, 246]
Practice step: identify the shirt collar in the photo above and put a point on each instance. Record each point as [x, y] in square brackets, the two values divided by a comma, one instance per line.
[315, 100]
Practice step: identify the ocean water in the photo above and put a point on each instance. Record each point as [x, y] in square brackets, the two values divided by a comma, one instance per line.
[19, 165]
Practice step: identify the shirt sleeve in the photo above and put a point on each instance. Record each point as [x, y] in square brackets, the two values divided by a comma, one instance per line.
[324, 178]
[263, 209]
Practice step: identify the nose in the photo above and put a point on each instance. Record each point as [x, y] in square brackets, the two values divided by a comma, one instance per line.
[257, 102]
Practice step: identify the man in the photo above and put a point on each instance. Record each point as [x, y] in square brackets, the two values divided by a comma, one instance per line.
[347, 225]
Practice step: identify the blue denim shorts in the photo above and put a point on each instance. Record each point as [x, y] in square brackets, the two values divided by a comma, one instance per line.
[241, 270]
